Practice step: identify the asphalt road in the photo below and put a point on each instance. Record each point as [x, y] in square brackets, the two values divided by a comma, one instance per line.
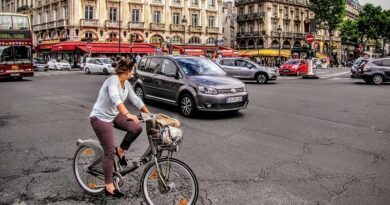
[323, 141]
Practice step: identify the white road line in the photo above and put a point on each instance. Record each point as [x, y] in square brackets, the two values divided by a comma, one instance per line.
[334, 75]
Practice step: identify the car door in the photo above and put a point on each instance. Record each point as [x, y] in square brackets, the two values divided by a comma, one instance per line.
[304, 66]
[241, 67]
[386, 68]
[168, 82]
[227, 65]
[150, 77]
[91, 65]
[247, 70]
[99, 66]
[51, 64]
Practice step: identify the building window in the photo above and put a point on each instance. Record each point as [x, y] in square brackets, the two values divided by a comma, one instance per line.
[286, 12]
[64, 12]
[211, 21]
[136, 15]
[210, 40]
[156, 16]
[156, 39]
[89, 12]
[54, 14]
[176, 1]
[274, 26]
[46, 16]
[287, 27]
[194, 19]
[113, 14]
[275, 11]
[39, 18]
[251, 10]
[251, 27]
[194, 2]
[112, 36]
[88, 35]
[194, 40]
[211, 3]
[297, 28]
[177, 40]
[223, 30]
[241, 11]
[176, 18]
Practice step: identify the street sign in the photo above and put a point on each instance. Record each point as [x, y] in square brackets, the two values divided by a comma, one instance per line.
[309, 38]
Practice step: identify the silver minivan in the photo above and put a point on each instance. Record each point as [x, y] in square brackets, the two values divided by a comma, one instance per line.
[245, 69]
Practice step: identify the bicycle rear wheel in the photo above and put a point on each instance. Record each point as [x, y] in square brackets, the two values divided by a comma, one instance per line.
[91, 181]
[181, 179]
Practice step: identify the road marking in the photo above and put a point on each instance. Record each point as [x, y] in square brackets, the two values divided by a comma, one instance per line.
[334, 75]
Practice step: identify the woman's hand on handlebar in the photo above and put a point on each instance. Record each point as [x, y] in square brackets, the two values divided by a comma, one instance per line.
[133, 118]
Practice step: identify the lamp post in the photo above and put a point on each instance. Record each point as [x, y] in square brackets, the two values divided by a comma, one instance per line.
[184, 23]
[279, 30]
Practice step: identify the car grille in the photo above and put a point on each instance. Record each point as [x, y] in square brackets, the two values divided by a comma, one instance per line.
[229, 105]
[224, 91]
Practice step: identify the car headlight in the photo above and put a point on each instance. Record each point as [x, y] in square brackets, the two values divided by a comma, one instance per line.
[295, 66]
[244, 88]
[207, 90]
[271, 70]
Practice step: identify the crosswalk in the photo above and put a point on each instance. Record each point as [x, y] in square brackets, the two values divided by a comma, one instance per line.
[50, 73]
[340, 74]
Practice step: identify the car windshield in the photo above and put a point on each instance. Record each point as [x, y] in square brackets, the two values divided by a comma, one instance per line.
[294, 62]
[20, 22]
[63, 61]
[39, 61]
[106, 61]
[200, 66]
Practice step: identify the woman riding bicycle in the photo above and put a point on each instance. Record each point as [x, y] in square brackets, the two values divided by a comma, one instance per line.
[109, 111]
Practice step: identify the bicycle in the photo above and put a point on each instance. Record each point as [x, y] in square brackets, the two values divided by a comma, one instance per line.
[165, 180]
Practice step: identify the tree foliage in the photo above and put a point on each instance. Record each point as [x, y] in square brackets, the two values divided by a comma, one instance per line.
[368, 22]
[328, 13]
[349, 32]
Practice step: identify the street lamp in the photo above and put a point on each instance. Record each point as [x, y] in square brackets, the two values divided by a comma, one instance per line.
[184, 23]
[279, 30]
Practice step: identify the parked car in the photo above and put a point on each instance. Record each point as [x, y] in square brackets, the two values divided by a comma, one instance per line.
[192, 83]
[39, 64]
[294, 67]
[245, 69]
[58, 65]
[376, 71]
[99, 65]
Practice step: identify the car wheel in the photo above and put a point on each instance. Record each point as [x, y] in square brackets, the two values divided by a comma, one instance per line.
[55, 67]
[105, 71]
[140, 93]
[87, 71]
[377, 79]
[187, 105]
[298, 73]
[261, 78]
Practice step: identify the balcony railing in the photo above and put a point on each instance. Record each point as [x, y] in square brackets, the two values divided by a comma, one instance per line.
[112, 24]
[51, 25]
[298, 35]
[89, 22]
[240, 35]
[176, 3]
[288, 34]
[177, 27]
[136, 25]
[35, 27]
[275, 34]
[23, 8]
[43, 26]
[258, 34]
[62, 23]
[195, 29]
[157, 26]
[156, 1]
[211, 29]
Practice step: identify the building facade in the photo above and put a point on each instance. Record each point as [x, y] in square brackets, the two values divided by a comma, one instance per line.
[229, 24]
[150, 21]
[352, 9]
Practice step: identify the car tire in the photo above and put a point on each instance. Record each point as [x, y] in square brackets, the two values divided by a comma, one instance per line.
[298, 73]
[187, 105]
[377, 79]
[55, 67]
[140, 93]
[105, 71]
[87, 71]
[261, 78]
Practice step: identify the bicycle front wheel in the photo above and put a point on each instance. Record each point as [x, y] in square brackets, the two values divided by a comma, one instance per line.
[91, 181]
[183, 185]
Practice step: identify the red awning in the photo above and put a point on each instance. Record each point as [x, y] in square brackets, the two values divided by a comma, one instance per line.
[194, 52]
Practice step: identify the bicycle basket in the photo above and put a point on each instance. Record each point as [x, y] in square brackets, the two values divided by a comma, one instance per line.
[167, 137]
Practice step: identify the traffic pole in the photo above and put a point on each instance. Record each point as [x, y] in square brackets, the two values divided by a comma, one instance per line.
[309, 38]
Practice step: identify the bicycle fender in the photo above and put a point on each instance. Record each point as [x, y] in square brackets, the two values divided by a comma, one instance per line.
[91, 143]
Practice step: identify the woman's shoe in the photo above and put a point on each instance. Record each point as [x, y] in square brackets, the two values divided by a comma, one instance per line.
[116, 194]
[122, 161]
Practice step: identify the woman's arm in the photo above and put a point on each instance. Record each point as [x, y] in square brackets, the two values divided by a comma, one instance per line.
[122, 109]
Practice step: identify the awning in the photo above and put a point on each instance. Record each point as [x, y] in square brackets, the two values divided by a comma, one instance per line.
[43, 47]
[103, 48]
[194, 52]
[269, 53]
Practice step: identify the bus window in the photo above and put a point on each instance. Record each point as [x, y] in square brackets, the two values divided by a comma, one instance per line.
[6, 55]
[5, 22]
[22, 53]
[20, 23]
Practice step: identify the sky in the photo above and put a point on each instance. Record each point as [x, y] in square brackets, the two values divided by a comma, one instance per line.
[384, 3]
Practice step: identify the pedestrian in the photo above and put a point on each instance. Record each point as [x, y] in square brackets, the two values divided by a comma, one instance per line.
[109, 110]
[137, 58]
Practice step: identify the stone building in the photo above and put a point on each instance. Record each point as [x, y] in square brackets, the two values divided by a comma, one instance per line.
[151, 21]
[229, 24]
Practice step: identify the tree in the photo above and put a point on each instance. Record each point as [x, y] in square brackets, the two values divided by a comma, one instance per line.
[384, 28]
[328, 15]
[368, 23]
[349, 32]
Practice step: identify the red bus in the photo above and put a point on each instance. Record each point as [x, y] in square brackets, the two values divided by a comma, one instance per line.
[15, 46]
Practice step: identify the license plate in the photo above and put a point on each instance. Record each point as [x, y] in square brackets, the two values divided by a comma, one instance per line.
[286, 71]
[15, 74]
[15, 67]
[234, 99]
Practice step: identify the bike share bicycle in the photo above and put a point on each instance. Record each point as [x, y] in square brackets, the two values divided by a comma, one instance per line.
[165, 180]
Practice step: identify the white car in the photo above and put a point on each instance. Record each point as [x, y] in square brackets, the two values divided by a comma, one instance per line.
[99, 65]
[58, 65]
